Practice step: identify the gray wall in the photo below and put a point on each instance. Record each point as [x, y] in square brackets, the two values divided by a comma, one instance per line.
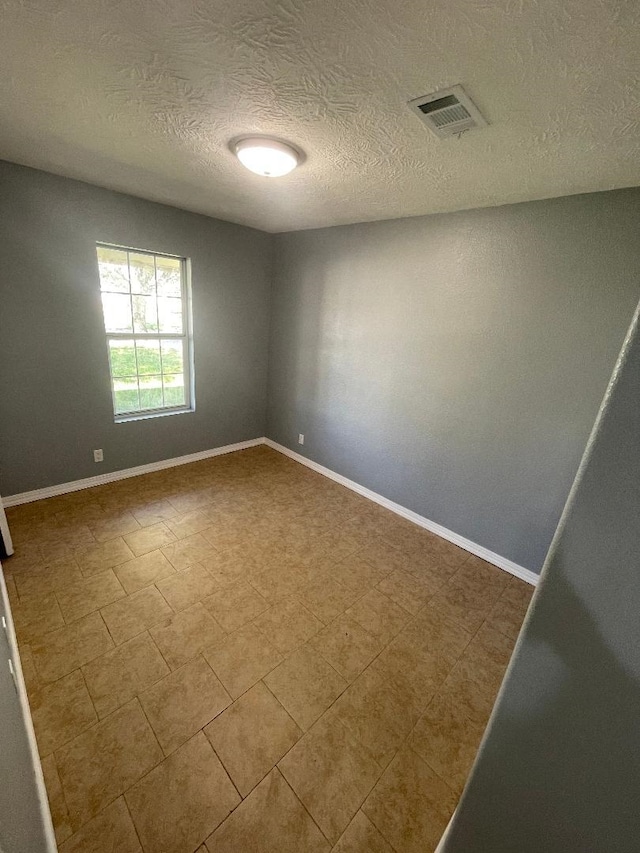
[54, 380]
[455, 363]
[559, 769]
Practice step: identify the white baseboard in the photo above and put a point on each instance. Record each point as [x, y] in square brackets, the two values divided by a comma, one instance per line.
[125, 473]
[479, 550]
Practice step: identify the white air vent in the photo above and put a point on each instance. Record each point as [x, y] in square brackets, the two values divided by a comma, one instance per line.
[449, 112]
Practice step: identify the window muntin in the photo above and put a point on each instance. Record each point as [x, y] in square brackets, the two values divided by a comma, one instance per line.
[146, 317]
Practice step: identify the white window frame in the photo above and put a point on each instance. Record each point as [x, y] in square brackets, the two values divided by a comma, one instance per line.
[186, 337]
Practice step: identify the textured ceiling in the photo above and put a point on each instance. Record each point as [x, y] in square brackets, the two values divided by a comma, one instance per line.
[143, 96]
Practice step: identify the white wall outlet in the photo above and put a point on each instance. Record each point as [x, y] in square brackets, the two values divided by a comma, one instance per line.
[98, 456]
[300, 438]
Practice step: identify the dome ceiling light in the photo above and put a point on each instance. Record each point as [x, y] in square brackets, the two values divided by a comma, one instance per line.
[268, 157]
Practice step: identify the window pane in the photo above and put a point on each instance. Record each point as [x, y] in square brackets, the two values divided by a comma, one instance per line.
[172, 357]
[114, 270]
[151, 392]
[170, 314]
[144, 304]
[125, 392]
[122, 358]
[148, 357]
[168, 273]
[145, 317]
[117, 312]
[174, 390]
[143, 273]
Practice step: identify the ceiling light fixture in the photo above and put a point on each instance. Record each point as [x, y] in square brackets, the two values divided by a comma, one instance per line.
[267, 157]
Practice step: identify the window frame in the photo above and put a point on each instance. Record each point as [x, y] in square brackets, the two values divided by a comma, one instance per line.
[186, 337]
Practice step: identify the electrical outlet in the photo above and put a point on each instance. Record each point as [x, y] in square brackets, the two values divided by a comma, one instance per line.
[98, 456]
[300, 438]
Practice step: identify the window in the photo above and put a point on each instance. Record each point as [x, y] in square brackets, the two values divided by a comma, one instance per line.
[146, 318]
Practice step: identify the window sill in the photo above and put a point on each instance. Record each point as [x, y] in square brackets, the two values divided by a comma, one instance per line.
[145, 416]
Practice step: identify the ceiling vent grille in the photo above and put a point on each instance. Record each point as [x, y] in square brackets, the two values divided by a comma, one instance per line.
[449, 112]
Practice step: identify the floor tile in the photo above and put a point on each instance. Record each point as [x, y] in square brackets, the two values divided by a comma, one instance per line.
[105, 761]
[376, 714]
[449, 554]
[278, 582]
[331, 773]
[235, 605]
[66, 649]
[154, 513]
[410, 538]
[229, 567]
[110, 831]
[251, 736]
[183, 702]
[89, 594]
[288, 625]
[12, 589]
[143, 571]
[67, 535]
[361, 836]
[270, 820]
[27, 559]
[335, 544]
[509, 611]
[467, 605]
[180, 803]
[186, 552]
[347, 646]
[410, 806]
[250, 554]
[188, 587]
[113, 526]
[357, 574]
[227, 535]
[476, 573]
[189, 523]
[414, 673]
[186, 635]
[431, 631]
[118, 676]
[61, 711]
[57, 804]
[104, 555]
[383, 556]
[135, 613]
[88, 513]
[474, 697]
[306, 685]
[474, 681]
[242, 658]
[380, 616]
[191, 499]
[489, 650]
[47, 579]
[149, 539]
[35, 616]
[407, 591]
[326, 598]
[447, 739]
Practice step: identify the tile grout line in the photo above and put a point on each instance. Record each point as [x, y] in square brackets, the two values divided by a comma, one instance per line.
[315, 823]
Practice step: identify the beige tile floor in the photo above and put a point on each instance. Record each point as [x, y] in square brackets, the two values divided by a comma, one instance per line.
[240, 655]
